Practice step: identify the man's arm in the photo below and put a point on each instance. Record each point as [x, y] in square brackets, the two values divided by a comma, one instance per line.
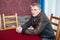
[26, 25]
[22, 28]
[41, 25]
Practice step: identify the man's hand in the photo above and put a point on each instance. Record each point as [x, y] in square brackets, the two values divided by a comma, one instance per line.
[19, 29]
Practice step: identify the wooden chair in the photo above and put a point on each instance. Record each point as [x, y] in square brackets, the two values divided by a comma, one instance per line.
[56, 25]
[0, 23]
[10, 22]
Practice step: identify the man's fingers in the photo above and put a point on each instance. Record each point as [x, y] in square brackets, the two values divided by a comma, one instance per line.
[19, 29]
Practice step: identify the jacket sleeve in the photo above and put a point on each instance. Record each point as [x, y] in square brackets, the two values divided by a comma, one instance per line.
[26, 25]
[39, 28]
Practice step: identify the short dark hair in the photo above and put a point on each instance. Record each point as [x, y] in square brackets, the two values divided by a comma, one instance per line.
[36, 4]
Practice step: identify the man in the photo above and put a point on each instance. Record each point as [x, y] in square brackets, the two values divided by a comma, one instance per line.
[39, 22]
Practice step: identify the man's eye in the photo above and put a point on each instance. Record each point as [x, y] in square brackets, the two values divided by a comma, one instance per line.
[34, 9]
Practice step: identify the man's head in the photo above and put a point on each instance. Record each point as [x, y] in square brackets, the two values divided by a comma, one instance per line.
[35, 9]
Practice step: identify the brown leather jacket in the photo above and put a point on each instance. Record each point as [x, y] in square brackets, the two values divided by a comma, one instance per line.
[41, 25]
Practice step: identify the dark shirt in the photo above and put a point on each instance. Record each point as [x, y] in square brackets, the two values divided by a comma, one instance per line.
[41, 25]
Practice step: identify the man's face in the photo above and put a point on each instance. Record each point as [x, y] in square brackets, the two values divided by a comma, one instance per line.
[35, 10]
